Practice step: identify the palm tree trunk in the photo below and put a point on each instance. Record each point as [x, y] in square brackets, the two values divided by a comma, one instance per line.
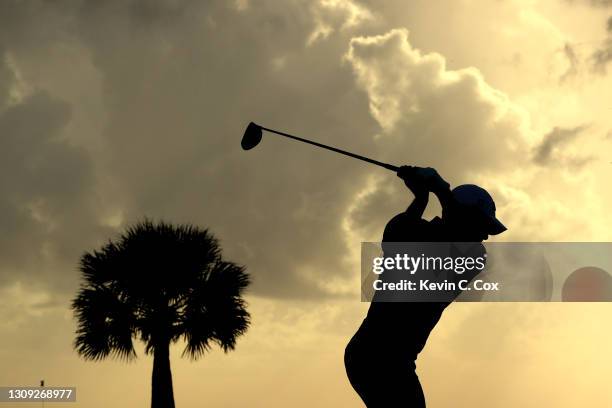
[162, 395]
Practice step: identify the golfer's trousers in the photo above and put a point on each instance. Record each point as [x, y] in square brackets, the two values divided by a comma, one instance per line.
[382, 378]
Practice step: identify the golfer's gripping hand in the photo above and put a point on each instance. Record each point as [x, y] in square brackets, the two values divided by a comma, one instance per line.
[422, 180]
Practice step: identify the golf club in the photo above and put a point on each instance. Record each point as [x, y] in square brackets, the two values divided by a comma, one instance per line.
[253, 134]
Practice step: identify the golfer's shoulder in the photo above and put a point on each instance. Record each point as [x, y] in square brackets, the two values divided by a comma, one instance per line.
[406, 228]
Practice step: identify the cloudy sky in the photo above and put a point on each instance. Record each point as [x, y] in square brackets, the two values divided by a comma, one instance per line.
[113, 111]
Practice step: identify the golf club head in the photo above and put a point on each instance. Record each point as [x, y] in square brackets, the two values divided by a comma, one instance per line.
[252, 136]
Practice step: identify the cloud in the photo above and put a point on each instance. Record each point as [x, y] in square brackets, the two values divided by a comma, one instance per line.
[602, 56]
[431, 116]
[178, 84]
[7, 79]
[594, 3]
[416, 99]
[330, 15]
[453, 120]
[573, 60]
[549, 151]
[45, 183]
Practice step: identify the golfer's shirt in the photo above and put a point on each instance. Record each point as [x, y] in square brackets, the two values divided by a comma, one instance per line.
[404, 326]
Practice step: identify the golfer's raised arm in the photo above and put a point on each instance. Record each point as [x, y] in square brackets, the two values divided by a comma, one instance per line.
[433, 182]
[415, 184]
[445, 196]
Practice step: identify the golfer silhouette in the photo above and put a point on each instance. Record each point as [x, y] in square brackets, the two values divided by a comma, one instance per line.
[380, 357]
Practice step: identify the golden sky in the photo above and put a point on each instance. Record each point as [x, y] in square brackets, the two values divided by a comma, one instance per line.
[112, 111]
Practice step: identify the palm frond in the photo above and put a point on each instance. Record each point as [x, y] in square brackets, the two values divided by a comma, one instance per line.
[215, 311]
[105, 325]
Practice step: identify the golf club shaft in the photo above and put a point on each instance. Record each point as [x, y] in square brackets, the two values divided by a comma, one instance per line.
[333, 149]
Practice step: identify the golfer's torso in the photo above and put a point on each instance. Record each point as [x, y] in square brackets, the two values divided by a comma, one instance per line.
[401, 328]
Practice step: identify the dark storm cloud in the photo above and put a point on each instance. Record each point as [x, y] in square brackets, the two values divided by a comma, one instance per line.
[48, 202]
[44, 182]
[550, 150]
[179, 97]
[7, 78]
[180, 81]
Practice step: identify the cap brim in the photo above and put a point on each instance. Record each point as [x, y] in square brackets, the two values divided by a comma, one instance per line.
[495, 226]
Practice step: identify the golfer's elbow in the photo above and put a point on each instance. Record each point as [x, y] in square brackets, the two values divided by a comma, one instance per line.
[417, 207]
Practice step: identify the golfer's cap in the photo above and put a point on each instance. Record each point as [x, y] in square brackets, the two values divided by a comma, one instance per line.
[471, 195]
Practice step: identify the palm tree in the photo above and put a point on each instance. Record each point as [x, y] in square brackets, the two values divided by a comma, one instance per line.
[159, 283]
